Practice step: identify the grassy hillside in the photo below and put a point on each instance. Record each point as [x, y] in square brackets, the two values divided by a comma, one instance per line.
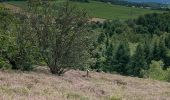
[104, 10]
[108, 11]
[73, 86]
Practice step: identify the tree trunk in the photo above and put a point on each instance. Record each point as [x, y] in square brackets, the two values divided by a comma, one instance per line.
[13, 64]
[56, 70]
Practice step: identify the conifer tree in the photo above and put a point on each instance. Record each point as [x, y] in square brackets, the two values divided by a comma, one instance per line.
[156, 51]
[167, 41]
[159, 50]
[109, 58]
[138, 62]
[148, 52]
[121, 58]
[162, 48]
[163, 53]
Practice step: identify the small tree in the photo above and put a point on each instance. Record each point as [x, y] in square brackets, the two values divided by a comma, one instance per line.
[167, 39]
[62, 36]
[160, 51]
[15, 41]
[109, 58]
[156, 71]
[121, 58]
[138, 62]
[156, 52]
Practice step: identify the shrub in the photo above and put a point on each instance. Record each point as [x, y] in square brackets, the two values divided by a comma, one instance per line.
[138, 62]
[156, 71]
[16, 46]
[62, 36]
[168, 75]
[4, 65]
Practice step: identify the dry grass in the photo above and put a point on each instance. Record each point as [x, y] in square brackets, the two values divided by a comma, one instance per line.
[12, 8]
[40, 85]
[98, 20]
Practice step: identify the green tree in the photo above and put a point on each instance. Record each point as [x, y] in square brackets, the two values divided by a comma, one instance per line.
[159, 49]
[62, 36]
[167, 41]
[109, 58]
[148, 52]
[99, 56]
[15, 41]
[156, 71]
[156, 51]
[138, 62]
[121, 59]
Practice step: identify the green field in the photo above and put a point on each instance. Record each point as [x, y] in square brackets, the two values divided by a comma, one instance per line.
[104, 10]
[108, 11]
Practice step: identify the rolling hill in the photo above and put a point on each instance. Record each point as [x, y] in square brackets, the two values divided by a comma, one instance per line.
[155, 1]
[40, 84]
[104, 10]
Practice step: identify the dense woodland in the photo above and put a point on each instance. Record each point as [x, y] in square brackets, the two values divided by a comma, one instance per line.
[130, 47]
[62, 38]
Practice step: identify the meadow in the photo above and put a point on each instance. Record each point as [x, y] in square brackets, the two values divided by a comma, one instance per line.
[104, 10]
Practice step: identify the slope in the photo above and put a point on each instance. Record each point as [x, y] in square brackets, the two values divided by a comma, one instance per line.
[104, 10]
[40, 85]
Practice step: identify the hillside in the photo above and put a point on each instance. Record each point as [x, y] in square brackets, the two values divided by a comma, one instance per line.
[73, 86]
[156, 1]
[42, 53]
[104, 10]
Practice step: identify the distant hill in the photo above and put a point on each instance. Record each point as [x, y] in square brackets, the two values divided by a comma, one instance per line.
[155, 1]
[104, 10]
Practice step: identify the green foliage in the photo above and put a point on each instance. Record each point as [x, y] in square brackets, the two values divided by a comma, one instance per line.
[62, 36]
[141, 30]
[167, 39]
[4, 65]
[168, 75]
[59, 35]
[109, 57]
[154, 23]
[15, 41]
[148, 51]
[80, 0]
[121, 59]
[156, 71]
[114, 27]
[102, 52]
[115, 98]
[160, 51]
[103, 10]
[138, 62]
[152, 46]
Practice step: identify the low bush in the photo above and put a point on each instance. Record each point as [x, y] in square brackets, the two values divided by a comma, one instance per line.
[156, 71]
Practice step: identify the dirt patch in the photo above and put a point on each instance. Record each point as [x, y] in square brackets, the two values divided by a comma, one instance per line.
[97, 20]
